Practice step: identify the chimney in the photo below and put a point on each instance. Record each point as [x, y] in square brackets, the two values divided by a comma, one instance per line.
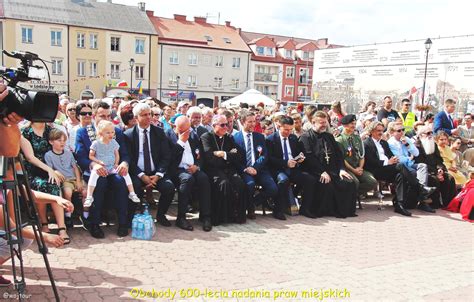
[141, 6]
[323, 42]
[178, 17]
[150, 13]
[200, 19]
[227, 23]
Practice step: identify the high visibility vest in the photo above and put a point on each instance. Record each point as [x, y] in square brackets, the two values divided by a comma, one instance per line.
[409, 121]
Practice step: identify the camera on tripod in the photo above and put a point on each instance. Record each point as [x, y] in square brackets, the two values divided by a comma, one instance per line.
[35, 106]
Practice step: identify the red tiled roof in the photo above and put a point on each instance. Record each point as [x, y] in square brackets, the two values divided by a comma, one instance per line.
[179, 31]
[249, 36]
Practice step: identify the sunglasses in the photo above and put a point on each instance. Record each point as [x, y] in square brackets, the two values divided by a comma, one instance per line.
[85, 113]
[156, 114]
[406, 104]
[223, 125]
[400, 130]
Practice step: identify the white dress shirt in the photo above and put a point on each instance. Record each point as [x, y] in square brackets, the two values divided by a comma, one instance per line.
[141, 159]
[251, 145]
[381, 152]
[282, 139]
[187, 160]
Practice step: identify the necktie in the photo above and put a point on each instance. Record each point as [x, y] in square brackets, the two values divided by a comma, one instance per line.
[146, 153]
[285, 150]
[249, 151]
[450, 120]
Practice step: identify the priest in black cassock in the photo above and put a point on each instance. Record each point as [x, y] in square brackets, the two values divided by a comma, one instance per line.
[222, 161]
[335, 193]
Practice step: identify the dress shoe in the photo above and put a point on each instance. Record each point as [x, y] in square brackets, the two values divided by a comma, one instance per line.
[163, 220]
[85, 222]
[96, 231]
[122, 230]
[401, 210]
[425, 192]
[426, 208]
[182, 223]
[251, 213]
[307, 213]
[279, 215]
[207, 225]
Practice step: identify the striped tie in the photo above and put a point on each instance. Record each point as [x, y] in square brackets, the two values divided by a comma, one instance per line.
[249, 151]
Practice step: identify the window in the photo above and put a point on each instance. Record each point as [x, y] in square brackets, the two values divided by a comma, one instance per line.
[139, 46]
[57, 66]
[218, 82]
[81, 40]
[219, 61]
[192, 81]
[139, 72]
[305, 55]
[93, 69]
[174, 59]
[268, 51]
[173, 80]
[235, 62]
[56, 38]
[235, 84]
[303, 76]
[288, 53]
[208, 38]
[27, 35]
[115, 44]
[290, 72]
[260, 50]
[289, 90]
[302, 91]
[192, 59]
[81, 68]
[115, 71]
[93, 41]
[227, 40]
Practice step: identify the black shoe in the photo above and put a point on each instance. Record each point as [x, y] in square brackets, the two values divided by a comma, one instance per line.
[401, 210]
[425, 192]
[68, 222]
[279, 215]
[307, 213]
[182, 223]
[85, 223]
[207, 225]
[96, 231]
[163, 220]
[251, 213]
[122, 230]
[426, 208]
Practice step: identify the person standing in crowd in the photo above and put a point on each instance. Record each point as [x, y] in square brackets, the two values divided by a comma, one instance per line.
[182, 109]
[444, 120]
[71, 124]
[353, 153]
[408, 118]
[336, 114]
[222, 161]
[254, 166]
[127, 117]
[449, 158]
[185, 171]
[195, 116]
[336, 189]
[387, 115]
[206, 121]
[166, 118]
[297, 124]
[284, 161]
[155, 116]
[267, 127]
[466, 132]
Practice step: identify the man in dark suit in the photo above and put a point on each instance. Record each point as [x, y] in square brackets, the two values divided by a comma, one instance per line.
[254, 166]
[283, 148]
[185, 172]
[150, 157]
[84, 138]
[380, 161]
[195, 116]
[444, 121]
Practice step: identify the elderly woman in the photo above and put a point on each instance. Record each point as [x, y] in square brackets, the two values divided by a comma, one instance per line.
[71, 124]
[449, 158]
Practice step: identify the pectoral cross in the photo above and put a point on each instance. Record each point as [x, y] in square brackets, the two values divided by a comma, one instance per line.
[326, 152]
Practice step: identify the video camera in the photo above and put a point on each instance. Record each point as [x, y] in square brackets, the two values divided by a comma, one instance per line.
[35, 106]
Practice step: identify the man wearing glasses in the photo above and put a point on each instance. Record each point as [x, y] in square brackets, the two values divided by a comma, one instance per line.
[408, 117]
[405, 150]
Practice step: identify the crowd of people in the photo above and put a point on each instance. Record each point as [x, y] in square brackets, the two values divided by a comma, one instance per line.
[226, 162]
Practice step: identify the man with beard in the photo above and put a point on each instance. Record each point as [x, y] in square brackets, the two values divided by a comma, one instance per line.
[438, 174]
[336, 188]
[405, 150]
[381, 162]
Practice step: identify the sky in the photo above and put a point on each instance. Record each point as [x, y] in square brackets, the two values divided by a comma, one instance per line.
[341, 21]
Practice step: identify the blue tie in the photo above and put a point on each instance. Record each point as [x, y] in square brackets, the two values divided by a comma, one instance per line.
[249, 151]
[451, 120]
[285, 150]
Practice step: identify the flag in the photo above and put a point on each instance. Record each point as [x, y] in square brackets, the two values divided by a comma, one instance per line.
[139, 87]
[412, 91]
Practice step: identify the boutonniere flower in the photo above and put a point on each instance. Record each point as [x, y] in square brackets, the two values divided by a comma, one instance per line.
[197, 153]
[260, 150]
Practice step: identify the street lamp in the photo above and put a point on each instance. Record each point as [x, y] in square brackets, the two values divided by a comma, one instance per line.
[295, 62]
[177, 88]
[132, 63]
[427, 47]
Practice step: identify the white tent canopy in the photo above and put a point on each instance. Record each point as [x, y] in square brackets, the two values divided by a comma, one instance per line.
[251, 97]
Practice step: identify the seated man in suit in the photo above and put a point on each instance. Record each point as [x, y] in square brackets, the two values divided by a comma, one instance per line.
[283, 149]
[195, 116]
[443, 119]
[84, 138]
[185, 172]
[380, 161]
[254, 166]
[150, 157]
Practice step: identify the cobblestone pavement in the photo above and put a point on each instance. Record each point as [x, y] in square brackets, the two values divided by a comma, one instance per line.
[377, 256]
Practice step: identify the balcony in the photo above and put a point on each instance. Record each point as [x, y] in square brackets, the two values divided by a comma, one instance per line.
[266, 77]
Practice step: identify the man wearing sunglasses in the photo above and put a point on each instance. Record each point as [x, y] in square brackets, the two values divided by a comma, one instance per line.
[408, 117]
[405, 150]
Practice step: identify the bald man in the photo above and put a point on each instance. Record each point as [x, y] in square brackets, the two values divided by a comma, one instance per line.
[185, 172]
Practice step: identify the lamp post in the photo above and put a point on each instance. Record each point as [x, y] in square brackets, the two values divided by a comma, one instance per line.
[177, 88]
[295, 62]
[132, 63]
[427, 47]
